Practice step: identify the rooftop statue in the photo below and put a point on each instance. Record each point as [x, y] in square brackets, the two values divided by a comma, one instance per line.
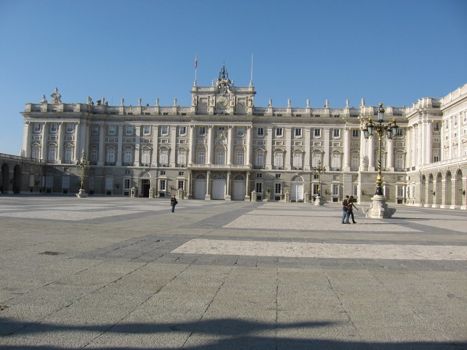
[56, 97]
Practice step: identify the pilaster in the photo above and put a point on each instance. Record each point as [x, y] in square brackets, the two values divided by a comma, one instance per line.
[428, 193]
[443, 193]
[137, 144]
[61, 131]
[454, 194]
[346, 160]
[77, 135]
[390, 154]
[371, 153]
[101, 160]
[307, 148]
[173, 146]
[464, 191]
[26, 148]
[327, 148]
[44, 136]
[229, 145]
[155, 145]
[249, 145]
[192, 146]
[228, 186]
[119, 145]
[268, 163]
[208, 185]
[429, 143]
[209, 150]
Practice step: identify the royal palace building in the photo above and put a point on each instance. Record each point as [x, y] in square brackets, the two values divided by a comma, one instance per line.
[225, 147]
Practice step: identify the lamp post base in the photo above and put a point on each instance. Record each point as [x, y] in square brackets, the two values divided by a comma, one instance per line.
[379, 209]
[82, 193]
[318, 201]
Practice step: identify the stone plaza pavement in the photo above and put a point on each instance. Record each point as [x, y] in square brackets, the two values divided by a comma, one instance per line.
[110, 273]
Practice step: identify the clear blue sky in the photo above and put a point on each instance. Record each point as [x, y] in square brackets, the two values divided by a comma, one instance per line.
[388, 50]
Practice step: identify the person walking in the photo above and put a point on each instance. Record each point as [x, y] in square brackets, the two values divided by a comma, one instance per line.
[350, 207]
[173, 203]
[345, 210]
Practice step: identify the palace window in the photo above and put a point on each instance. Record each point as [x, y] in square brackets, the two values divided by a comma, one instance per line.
[298, 132]
[110, 155]
[128, 155]
[259, 187]
[146, 157]
[336, 133]
[316, 159]
[181, 184]
[278, 188]
[182, 130]
[317, 132]
[112, 130]
[240, 132]
[68, 154]
[202, 131]
[260, 131]
[37, 128]
[399, 132]
[279, 159]
[164, 130]
[146, 130]
[220, 156]
[129, 130]
[94, 154]
[36, 152]
[201, 156]
[355, 133]
[336, 161]
[181, 158]
[51, 156]
[297, 160]
[53, 128]
[354, 161]
[162, 185]
[70, 128]
[164, 157]
[335, 190]
[239, 156]
[95, 130]
[278, 132]
[259, 159]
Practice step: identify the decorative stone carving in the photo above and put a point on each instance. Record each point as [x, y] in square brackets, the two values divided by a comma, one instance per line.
[56, 97]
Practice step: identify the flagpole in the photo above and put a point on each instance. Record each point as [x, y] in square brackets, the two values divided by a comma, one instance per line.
[251, 71]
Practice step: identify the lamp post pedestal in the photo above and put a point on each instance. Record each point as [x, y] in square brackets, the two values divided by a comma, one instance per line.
[379, 209]
[82, 193]
[318, 201]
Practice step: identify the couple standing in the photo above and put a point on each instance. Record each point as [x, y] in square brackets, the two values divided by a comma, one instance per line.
[347, 210]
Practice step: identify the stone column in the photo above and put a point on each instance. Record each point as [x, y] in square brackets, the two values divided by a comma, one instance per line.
[371, 153]
[26, 148]
[61, 131]
[77, 142]
[408, 142]
[44, 141]
[363, 153]
[428, 193]
[288, 149]
[228, 194]
[188, 186]
[247, 186]
[390, 153]
[429, 143]
[307, 147]
[192, 146]
[119, 145]
[101, 160]
[83, 139]
[249, 145]
[346, 165]
[326, 148]
[155, 145]
[459, 136]
[208, 185]
[420, 145]
[137, 145]
[268, 163]
[173, 146]
[229, 146]
[464, 191]
[450, 138]
[209, 146]
[454, 194]
[443, 192]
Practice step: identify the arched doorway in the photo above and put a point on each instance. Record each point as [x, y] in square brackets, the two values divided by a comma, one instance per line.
[199, 187]
[458, 189]
[437, 191]
[17, 177]
[297, 189]
[5, 184]
[145, 184]
[238, 188]
[448, 190]
[219, 185]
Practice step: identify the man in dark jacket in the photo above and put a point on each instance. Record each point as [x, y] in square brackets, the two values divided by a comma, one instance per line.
[173, 203]
[345, 210]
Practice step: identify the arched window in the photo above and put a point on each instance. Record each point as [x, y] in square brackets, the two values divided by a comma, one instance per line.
[52, 154]
[354, 161]
[164, 157]
[279, 159]
[93, 155]
[68, 154]
[239, 156]
[336, 161]
[110, 155]
[181, 158]
[146, 157]
[128, 155]
[259, 159]
[36, 151]
[200, 156]
[316, 159]
[400, 161]
[298, 160]
[220, 156]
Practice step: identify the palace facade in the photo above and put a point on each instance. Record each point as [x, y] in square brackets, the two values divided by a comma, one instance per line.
[225, 147]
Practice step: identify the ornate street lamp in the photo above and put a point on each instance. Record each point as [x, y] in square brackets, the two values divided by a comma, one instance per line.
[379, 209]
[83, 164]
[318, 171]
